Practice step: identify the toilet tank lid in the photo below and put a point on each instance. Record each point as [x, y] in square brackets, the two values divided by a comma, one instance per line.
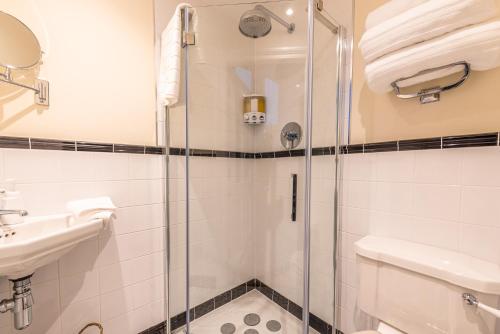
[453, 267]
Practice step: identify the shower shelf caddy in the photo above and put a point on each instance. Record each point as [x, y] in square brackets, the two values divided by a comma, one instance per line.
[433, 94]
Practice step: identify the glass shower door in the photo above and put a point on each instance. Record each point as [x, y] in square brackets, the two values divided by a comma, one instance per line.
[244, 242]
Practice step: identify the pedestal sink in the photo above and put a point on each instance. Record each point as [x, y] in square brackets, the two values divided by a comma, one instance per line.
[39, 241]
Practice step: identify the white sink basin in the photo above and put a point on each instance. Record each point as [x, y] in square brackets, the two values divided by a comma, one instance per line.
[41, 240]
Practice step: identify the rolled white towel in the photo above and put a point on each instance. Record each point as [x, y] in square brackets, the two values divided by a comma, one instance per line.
[99, 207]
[388, 10]
[478, 45]
[423, 22]
[170, 58]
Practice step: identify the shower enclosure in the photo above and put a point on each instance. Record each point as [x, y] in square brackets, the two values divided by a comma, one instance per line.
[246, 216]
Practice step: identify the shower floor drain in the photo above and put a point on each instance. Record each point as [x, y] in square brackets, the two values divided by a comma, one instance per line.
[252, 319]
[251, 331]
[228, 328]
[273, 325]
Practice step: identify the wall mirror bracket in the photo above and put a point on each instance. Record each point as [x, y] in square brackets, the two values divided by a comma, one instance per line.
[430, 95]
[40, 87]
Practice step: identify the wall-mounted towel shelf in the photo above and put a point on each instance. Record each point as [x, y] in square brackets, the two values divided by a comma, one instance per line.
[41, 87]
[433, 94]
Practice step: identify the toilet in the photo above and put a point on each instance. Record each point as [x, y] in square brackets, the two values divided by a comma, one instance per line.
[418, 289]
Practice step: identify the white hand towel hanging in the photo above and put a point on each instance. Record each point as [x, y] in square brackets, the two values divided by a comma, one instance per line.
[99, 207]
[478, 45]
[170, 58]
[423, 22]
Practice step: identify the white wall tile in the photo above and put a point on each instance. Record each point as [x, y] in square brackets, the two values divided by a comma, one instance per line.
[69, 293]
[480, 206]
[438, 166]
[437, 201]
[480, 166]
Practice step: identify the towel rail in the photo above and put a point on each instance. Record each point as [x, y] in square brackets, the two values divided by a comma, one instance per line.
[432, 94]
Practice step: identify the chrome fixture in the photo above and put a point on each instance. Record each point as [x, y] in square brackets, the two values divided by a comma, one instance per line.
[432, 94]
[472, 300]
[22, 213]
[20, 304]
[318, 8]
[291, 135]
[21, 51]
[256, 22]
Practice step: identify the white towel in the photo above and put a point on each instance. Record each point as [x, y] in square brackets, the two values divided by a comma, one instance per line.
[170, 58]
[388, 10]
[478, 45]
[423, 22]
[99, 207]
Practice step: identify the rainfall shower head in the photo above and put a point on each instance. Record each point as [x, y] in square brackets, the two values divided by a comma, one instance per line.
[256, 22]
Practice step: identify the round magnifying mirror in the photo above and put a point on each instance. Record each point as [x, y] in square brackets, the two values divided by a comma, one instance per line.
[20, 48]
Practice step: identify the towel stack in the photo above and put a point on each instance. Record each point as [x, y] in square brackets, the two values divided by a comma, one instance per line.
[405, 37]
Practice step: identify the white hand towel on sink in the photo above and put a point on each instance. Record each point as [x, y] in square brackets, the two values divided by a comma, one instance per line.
[421, 23]
[170, 58]
[478, 45]
[99, 207]
[388, 10]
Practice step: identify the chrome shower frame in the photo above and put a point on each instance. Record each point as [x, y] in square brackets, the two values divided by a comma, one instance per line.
[344, 75]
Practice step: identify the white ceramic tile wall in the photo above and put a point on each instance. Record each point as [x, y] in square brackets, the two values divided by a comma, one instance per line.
[221, 239]
[444, 198]
[279, 243]
[116, 278]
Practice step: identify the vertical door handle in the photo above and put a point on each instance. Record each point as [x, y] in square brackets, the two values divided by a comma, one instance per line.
[294, 197]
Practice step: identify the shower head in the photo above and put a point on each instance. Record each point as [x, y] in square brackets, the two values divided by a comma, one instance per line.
[256, 22]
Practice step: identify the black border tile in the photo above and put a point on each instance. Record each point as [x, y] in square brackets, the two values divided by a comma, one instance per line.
[236, 155]
[280, 300]
[85, 146]
[201, 153]
[420, 144]
[265, 290]
[49, 144]
[155, 150]
[282, 154]
[298, 153]
[221, 154]
[388, 146]
[249, 155]
[484, 139]
[267, 155]
[204, 308]
[355, 148]
[14, 142]
[222, 299]
[251, 284]
[295, 309]
[135, 149]
[239, 291]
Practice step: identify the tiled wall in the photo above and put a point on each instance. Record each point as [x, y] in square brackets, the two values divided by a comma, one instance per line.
[279, 242]
[221, 229]
[116, 278]
[444, 198]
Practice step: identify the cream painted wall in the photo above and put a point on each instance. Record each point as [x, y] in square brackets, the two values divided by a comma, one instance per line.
[473, 108]
[99, 59]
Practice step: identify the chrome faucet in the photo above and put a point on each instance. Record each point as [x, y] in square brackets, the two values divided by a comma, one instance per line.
[21, 213]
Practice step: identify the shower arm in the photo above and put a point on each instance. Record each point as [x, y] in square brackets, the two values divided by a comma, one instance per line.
[289, 26]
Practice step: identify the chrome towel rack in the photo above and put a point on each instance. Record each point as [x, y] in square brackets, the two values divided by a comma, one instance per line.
[472, 300]
[432, 94]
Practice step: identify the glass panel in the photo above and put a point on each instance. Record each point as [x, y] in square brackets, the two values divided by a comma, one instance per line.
[323, 176]
[246, 251]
